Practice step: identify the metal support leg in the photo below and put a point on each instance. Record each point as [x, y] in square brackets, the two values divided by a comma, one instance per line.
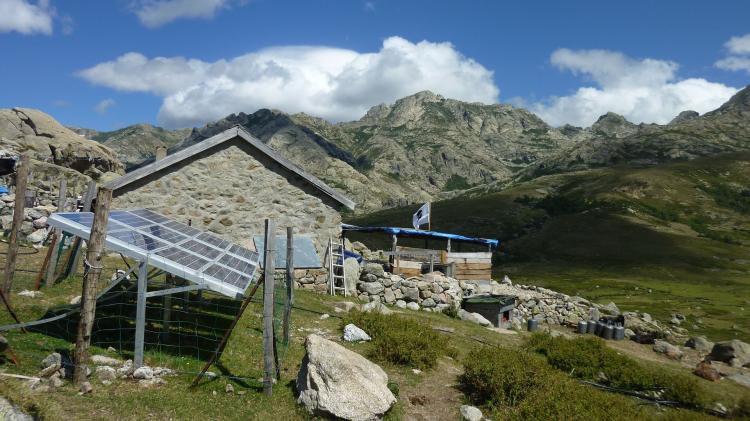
[140, 315]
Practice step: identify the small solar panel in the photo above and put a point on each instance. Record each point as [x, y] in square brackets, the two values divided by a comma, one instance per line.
[171, 246]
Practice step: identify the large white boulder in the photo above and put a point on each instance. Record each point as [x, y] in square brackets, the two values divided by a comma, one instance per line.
[352, 333]
[473, 317]
[351, 272]
[334, 381]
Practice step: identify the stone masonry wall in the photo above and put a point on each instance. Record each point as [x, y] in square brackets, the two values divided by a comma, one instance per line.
[230, 190]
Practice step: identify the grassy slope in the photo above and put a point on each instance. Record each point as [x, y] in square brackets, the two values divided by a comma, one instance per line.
[680, 231]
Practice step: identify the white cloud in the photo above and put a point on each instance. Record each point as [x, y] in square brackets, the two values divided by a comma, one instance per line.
[739, 60]
[333, 83]
[26, 17]
[642, 90]
[739, 45]
[104, 105]
[154, 13]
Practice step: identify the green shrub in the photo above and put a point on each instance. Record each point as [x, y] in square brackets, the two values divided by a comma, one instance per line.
[521, 385]
[401, 340]
[590, 359]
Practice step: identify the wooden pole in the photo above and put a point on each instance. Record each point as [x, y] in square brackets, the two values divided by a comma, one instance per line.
[289, 281]
[76, 247]
[45, 265]
[49, 278]
[22, 177]
[91, 278]
[268, 281]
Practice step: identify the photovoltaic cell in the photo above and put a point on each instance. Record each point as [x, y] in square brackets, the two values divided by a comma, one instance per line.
[171, 246]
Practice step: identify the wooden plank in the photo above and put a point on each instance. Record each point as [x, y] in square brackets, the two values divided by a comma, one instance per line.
[473, 266]
[473, 272]
[409, 272]
[87, 200]
[88, 295]
[465, 261]
[22, 177]
[407, 264]
[472, 277]
[475, 255]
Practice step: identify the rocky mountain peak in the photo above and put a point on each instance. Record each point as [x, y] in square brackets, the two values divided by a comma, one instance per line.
[685, 116]
[739, 102]
[613, 125]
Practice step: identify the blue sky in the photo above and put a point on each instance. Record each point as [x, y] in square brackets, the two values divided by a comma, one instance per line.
[107, 64]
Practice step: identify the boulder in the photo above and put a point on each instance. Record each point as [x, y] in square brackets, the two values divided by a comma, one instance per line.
[412, 306]
[410, 293]
[37, 236]
[470, 413]
[336, 382]
[377, 307]
[705, 370]
[473, 317]
[344, 306]
[389, 296]
[734, 352]
[351, 273]
[372, 288]
[374, 269]
[611, 308]
[40, 223]
[104, 360]
[664, 347]
[401, 304]
[106, 373]
[352, 333]
[700, 344]
[143, 373]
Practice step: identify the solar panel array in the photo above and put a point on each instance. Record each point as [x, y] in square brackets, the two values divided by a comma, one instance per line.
[172, 246]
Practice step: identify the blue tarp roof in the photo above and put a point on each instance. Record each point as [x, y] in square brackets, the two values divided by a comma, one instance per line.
[409, 232]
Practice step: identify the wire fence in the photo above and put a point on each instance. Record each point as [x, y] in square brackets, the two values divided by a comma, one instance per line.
[182, 330]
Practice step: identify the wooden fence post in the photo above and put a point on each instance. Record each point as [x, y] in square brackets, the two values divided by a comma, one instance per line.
[88, 295]
[289, 281]
[87, 200]
[268, 286]
[22, 177]
[53, 255]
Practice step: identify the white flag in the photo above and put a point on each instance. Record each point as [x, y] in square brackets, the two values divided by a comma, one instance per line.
[422, 216]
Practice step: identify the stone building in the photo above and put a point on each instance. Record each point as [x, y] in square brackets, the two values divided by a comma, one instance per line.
[229, 184]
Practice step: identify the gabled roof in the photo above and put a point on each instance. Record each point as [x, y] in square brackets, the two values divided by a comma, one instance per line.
[227, 135]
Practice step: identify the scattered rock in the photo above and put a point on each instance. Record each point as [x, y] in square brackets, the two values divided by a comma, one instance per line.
[355, 388]
[377, 307]
[734, 352]
[75, 300]
[700, 344]
[374, 269]
[344, 307]
[106, 373]
[126, 369]
[104, 360]
[153, 382]
[506, 280]
[412, 306]
[354, 334]
[324, 316]
[37, 236]
[143, 373]
[53, 359]
[30, 294]
[85, 388]
[470, 413]
[705, 370]
[401, 304]
[612, 309]
[473, 317]
[10, 412]
[664, 347]
[229, 388]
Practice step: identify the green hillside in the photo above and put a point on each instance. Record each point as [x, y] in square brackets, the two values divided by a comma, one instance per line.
[663, 239]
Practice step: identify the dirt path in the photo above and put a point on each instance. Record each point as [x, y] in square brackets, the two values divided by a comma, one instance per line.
[435, 397]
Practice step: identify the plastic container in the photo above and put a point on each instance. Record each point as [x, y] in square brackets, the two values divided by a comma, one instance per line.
[533, 324]
[582, 326]
[607, 331]
[591, 328]
[619, 333]
[599, 328]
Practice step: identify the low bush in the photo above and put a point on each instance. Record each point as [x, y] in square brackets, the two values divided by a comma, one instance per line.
[401, 340]
[521, 385]
[590, 359]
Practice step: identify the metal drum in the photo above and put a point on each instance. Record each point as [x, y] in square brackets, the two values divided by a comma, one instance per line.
[619, 333]
[582, 326]
[599, 328]
[591, 327]
[607, 331]
[533, 324]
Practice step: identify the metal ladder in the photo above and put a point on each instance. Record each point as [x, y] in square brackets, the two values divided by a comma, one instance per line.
[336, 271]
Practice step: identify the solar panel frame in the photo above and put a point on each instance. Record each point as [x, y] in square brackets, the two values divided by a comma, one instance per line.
[169, 250]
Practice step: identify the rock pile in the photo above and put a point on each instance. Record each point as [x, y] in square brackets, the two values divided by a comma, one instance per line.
[34, 227]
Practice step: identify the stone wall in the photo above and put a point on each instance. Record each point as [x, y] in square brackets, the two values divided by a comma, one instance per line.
[230, 190]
